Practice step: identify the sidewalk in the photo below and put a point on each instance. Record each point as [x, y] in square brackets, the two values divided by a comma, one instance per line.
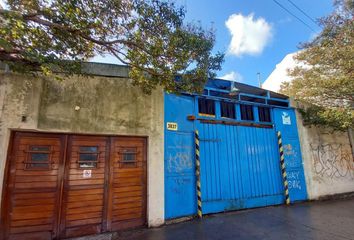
[330, 220]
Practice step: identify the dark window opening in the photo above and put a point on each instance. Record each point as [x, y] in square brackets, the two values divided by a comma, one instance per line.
[128, 157]
[206, 107]
[223, 94]
[278, 103]
[38, 157]
[264, 114]
[252, 99]
[247, 112]
[88, 156]
[227, 110]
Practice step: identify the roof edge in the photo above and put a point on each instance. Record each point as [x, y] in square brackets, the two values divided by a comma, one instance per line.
[94, 69]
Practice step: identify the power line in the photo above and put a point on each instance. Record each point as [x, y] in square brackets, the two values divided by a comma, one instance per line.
[303, 12]
[294, 15]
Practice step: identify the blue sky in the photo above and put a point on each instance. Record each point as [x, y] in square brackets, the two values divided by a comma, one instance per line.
[261, 33]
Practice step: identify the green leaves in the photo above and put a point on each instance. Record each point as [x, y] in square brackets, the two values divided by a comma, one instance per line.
[149, 36]
[325, 81]
[339, 118]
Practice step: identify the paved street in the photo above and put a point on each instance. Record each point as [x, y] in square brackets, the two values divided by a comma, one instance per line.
[313, 220]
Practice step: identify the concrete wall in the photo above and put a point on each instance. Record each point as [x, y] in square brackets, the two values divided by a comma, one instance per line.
[328, 160]
[96, 105]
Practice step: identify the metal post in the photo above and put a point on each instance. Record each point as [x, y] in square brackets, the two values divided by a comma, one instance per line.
[259, 79]
[283, 171]
[197, 173]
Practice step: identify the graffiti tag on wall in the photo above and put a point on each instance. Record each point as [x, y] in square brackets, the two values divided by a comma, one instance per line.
[333, 160]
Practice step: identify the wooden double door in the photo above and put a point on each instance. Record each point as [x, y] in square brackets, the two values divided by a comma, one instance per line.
[59, 186]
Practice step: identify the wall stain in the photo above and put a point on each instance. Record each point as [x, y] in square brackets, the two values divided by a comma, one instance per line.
[106, 105]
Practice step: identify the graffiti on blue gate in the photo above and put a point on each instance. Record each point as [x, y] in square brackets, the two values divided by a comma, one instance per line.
[334, 161]
[294, 180]
[289, 150]
[179, 183]
[179, 159]
[292, 156]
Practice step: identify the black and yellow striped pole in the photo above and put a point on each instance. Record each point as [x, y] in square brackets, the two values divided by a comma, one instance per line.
[197, 173]
[283, 170]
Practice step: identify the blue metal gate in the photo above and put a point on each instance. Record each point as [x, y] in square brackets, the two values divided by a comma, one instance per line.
[239, 156]
[239, 167]
[285, 122]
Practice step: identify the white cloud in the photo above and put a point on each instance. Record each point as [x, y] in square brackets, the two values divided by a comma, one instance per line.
[248, 35]
[232, 76]
[280, 73]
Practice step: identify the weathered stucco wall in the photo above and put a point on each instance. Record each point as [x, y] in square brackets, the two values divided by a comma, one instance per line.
[93, 105]
[19, 96]
[328, 160]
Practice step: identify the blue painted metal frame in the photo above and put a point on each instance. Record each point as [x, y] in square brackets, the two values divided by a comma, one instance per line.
[180, 189]
[285, 122]
[238, 111]
[238, 99]
[180, 194]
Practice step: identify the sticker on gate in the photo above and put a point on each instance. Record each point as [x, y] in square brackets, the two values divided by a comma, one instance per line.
[87, 173]
[286, 118]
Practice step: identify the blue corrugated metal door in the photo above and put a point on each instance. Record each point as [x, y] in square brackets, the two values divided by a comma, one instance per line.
[239, 167]
[285, 121]
[180, 193]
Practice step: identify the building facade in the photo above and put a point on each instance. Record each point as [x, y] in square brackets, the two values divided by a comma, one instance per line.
[94, 154]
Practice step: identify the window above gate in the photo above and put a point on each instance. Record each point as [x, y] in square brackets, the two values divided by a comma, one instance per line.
[88, 156]
[206, 107]
[247, 112]
[222, 111]
[228, 110]
[264, 114]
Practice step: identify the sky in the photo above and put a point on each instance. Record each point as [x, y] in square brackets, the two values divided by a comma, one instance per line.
[255, 35]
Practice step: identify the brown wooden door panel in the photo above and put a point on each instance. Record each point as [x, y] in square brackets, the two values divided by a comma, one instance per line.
[31, 222]
[33, 185]
[128, 181]
[128, 189]
[83, 205]
[129, 194]
[89, 191]
[42, 178]
[60, 185]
